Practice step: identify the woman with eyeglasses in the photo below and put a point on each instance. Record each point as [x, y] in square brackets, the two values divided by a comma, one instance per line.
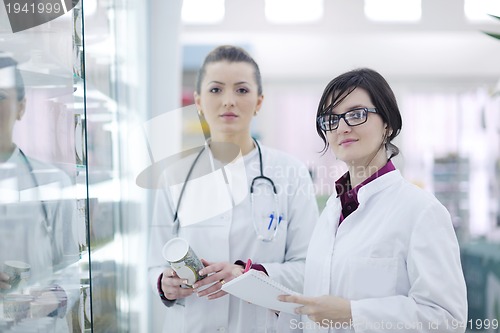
[384, 256]
[233, 199]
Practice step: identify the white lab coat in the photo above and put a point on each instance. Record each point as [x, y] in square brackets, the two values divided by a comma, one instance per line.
[25, 235]
[230, 236]
[396, 258]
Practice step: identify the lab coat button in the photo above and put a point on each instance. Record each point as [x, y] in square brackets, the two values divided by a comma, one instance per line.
[221, 329]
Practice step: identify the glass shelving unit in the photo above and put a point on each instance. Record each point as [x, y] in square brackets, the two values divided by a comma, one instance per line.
[73, 274]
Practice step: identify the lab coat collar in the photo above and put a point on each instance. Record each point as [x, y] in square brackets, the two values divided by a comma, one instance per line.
[380, 183]
[370, 189]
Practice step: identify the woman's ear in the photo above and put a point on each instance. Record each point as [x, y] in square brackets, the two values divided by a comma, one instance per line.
[259, 104]
[388, 131]
[21, 108]
[197, 102]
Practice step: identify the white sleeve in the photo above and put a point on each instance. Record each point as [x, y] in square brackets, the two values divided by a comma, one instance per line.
[160, 232]
[67, 243]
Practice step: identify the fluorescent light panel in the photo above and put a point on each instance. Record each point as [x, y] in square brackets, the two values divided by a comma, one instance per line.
[478, 10]
[393, 10]
[203, 11]
[293, 11]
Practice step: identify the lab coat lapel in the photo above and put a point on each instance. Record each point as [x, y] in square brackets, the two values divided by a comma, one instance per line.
[319, 257]
[321, 250]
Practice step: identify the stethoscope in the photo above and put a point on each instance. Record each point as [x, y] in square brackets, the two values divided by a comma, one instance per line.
[46, 225]
[265, 223]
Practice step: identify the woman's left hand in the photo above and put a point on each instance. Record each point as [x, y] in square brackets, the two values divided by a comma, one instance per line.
[323, 309]
[4, 281]
[218, 274]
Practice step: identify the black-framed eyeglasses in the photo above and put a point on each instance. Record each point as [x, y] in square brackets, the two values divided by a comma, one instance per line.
[330, 121]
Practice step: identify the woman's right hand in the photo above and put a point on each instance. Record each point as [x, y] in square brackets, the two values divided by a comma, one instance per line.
[4, 281]
[171, 285]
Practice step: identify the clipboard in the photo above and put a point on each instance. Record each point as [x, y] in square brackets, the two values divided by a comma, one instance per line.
[259, 289]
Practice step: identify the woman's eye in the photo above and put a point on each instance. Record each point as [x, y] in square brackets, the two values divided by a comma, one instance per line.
[215, 90]
[242, 90]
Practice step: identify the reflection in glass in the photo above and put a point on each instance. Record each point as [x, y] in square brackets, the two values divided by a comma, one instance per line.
[39, 281]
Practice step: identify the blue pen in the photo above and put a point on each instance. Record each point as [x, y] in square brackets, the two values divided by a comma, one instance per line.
[279, 221]
[270, 222]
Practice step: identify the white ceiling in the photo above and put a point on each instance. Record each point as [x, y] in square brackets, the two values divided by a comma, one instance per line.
[442, 46]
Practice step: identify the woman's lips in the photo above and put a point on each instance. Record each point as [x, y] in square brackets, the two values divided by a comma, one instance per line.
[228, 115]
[347, 142]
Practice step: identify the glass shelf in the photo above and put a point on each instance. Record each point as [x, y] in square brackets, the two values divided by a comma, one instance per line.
[69, 135]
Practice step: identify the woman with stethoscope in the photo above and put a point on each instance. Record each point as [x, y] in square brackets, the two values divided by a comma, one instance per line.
[233, 200]
[34, 231]
[18, 181]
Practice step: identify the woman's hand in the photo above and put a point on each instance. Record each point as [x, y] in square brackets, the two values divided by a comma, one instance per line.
[4, 281]
[171, 285]
[218, 274]
[323, 309]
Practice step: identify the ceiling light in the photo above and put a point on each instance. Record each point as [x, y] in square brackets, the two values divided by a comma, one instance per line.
[293, 11]
[478, 10]
[202, 11]
[393, 10]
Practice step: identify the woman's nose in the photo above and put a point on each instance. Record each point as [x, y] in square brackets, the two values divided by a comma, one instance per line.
[228, 100]
[343, 127]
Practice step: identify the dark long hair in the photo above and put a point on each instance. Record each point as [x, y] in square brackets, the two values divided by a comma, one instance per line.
[380, 94]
